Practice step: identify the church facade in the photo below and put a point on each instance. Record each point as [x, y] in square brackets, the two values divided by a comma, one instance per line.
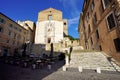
[50, 27]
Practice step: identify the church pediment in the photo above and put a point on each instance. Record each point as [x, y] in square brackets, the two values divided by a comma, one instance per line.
[50, 13]
[51, 10]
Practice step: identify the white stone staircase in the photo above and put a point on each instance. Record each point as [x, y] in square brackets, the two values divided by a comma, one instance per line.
[91, 60]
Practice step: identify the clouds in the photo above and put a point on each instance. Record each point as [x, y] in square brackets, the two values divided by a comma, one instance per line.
[73, 20]
[73, 9]
[71, 5]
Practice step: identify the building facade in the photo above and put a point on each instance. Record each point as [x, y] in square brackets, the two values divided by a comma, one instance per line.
[99, 26]
[12, 36]
[82, 35]
[51, 27]
[30, 36]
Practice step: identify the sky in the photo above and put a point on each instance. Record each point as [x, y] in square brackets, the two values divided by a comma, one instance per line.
[28, 10]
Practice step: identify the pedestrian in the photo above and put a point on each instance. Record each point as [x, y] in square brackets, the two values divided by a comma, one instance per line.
[70, 51]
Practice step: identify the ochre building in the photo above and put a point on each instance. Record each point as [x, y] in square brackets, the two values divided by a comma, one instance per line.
[12, 36]
[99, 26]
[30, 36]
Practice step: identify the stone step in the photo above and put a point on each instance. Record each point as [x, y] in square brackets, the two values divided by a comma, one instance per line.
[115, 66]
[92, 60]
[92, 68]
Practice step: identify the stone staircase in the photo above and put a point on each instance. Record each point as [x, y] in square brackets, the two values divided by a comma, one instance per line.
[116, 67]
[91, 60]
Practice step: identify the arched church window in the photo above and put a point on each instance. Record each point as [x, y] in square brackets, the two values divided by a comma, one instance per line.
[49, 17]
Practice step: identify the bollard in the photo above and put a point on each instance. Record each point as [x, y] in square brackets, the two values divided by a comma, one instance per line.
[98, 70]
[80, 69]
[49, 67]
[67, 60]
[33, 66]
[25, 64]
[64, 68]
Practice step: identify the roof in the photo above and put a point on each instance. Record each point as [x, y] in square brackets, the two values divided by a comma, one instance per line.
[11, 20]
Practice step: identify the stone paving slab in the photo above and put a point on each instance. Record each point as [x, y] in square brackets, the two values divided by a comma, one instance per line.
[81, 76]
[10, 72]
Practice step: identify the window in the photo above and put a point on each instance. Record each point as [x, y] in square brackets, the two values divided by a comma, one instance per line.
[65, 23]
[15, 35]
[100, 48]
[2, 20]
[97, 34]
[26, 24]
[117, 44]
[15, 27]
[1, 29]
[89, 30]
[111, 21]
[11, 25]
[87, 16]
[105, 3]
[20, 30]
[92, 6]
[91, 40]
[25, 33]
[49, 30]
[13, 42]
[49, 17]
[7, 41]
[19, 36]
[9, 32]
[95, 18]
[101, 8]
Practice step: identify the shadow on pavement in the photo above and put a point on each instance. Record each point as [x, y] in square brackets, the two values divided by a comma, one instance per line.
[13, 72]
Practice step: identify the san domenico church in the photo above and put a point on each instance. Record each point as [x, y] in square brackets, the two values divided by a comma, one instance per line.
[51, 28]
